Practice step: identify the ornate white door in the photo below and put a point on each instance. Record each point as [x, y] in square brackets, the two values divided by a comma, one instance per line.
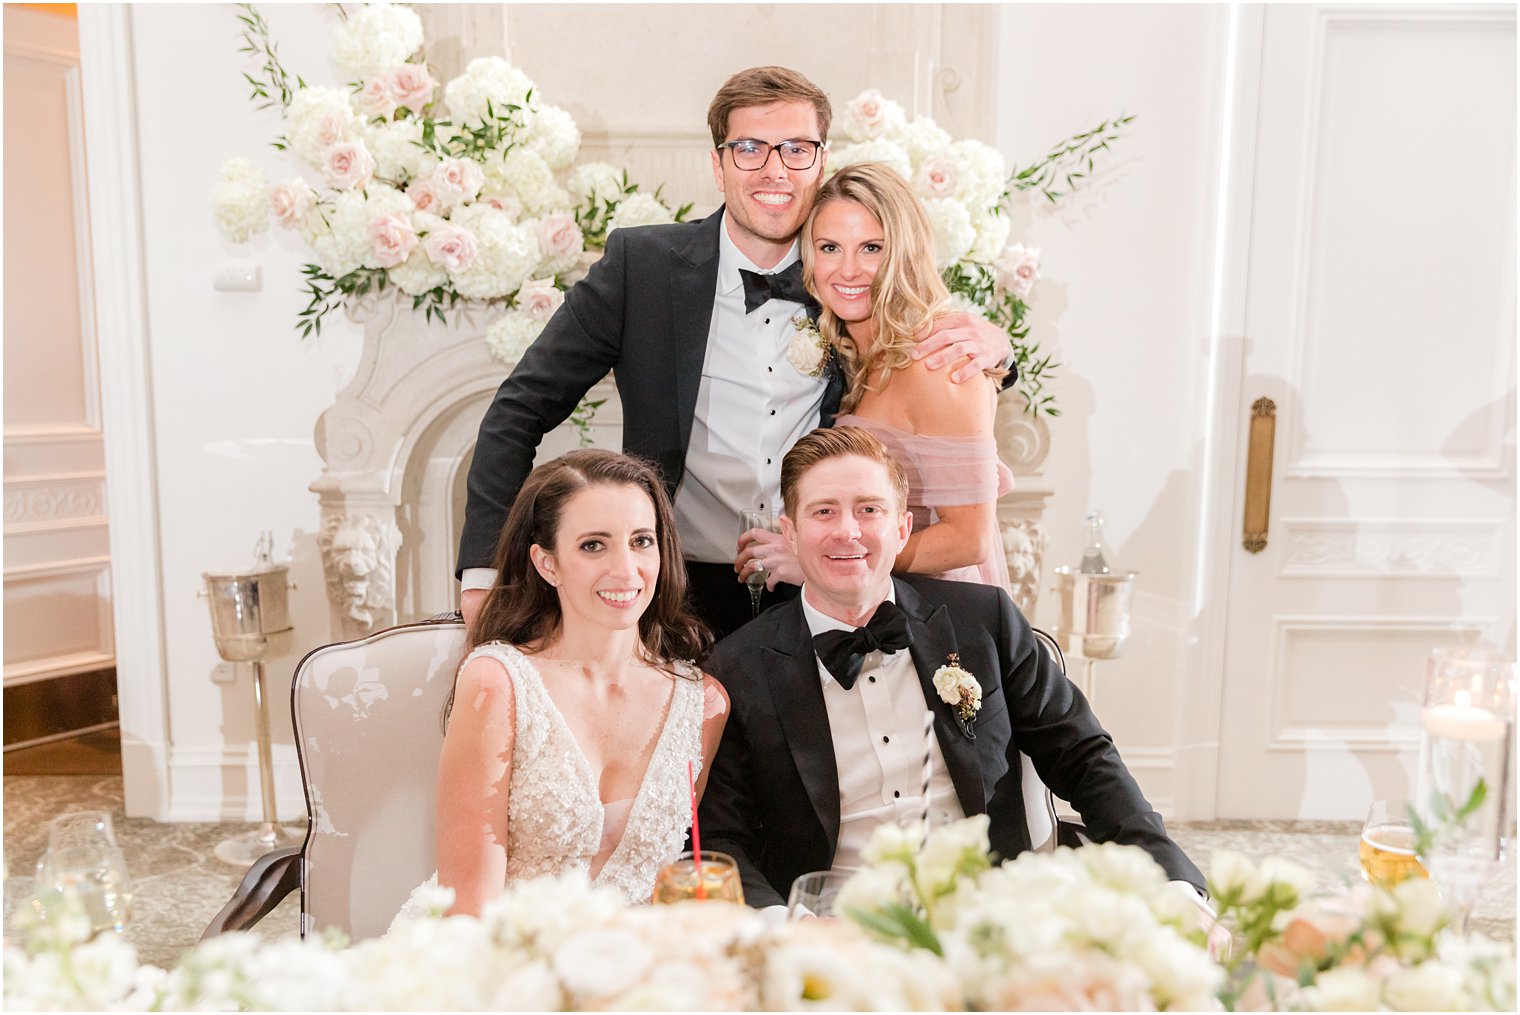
[1379, 315]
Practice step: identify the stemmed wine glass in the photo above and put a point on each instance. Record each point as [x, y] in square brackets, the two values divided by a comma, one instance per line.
[82, 860]
[756, 578]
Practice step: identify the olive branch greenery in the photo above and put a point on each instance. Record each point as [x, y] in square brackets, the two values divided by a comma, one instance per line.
[1067, 163]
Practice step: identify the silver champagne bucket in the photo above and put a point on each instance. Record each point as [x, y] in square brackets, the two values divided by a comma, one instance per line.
[1094, 611]
[246, 607]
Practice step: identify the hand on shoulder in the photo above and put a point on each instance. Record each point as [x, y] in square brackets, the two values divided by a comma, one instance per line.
[939, 407]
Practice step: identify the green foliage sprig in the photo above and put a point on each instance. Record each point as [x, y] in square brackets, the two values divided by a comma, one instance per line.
[274, 84]
[978, 283]
[1068, 162]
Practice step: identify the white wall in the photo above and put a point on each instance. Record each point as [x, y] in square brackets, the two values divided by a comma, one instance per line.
[235, 393]
[1127, 265]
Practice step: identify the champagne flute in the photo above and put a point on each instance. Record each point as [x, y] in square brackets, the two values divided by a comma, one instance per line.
[1387, 850]
[717, 879]
[758, 576]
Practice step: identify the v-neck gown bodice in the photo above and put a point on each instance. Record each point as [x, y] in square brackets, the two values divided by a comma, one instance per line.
[556, 820]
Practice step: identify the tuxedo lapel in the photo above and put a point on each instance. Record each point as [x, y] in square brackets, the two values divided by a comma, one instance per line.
[693, 287]
[797, 693]
[933, 641]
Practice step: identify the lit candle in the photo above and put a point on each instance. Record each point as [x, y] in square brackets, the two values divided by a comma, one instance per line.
[1463, 722]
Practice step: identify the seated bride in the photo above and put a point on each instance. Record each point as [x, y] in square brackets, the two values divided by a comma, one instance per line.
[575, 714]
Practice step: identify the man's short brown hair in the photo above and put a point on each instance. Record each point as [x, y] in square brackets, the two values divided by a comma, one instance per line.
[761, 86]
[836, 442]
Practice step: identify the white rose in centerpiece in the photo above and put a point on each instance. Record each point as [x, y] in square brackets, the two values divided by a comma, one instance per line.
[1429, 986]
[621, 957]
[559, 240]
[503, 201]
[527, 175]
[319, 118]
[889, 153]
[375, 99]
[411, 86]
[374, 38]
[451, 247]
[395, 144]
[456, 181]
[391, 241]
[506, 254]
[596, 181]
[552, 133]
[953, 232]
[1018, 269]
[992, 229]
[486, 80]
[347, 165]
[869, 116]
[1345, 988]
[238, 200]
[639, 210]
[922, 138]
[291, 202]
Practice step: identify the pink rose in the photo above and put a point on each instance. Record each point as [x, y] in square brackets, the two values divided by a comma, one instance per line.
[411, 86]
[559, 237]
[451, 247]
[290, 202]
[331, 129]
[937, 177]
[868, 107]
[376, 99]
[1018, 269]
[501, 200]
[457, 181]
[539, 298]
[424, 195]
[391, 240]
[347, 165]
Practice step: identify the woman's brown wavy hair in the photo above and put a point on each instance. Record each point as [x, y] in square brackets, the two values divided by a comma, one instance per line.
[524, 609]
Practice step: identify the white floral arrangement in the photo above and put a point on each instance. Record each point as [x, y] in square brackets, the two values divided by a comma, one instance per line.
[930, 925]
[462, 191]
[966, 186]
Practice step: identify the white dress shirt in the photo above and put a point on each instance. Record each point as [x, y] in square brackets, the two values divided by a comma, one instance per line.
[752, 406]
[878, 732]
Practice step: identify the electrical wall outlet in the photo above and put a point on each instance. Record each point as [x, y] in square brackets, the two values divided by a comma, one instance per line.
[223, 673]
[237, 278]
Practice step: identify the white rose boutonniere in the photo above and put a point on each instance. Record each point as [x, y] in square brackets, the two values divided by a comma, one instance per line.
[959, 688]
[809, 351]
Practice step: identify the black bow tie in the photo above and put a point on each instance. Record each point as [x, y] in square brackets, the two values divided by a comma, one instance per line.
[783, 285]
[843, 651]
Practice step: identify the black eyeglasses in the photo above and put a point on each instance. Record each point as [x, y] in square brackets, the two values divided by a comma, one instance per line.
[749, 154]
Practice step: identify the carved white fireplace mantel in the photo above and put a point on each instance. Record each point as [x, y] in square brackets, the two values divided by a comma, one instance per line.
[398, 441]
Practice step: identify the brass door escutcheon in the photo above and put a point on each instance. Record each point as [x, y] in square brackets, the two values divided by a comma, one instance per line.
[1259, 474]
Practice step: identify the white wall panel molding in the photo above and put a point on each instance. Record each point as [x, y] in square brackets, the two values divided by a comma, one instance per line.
[675, 158]
[44, 501]
[1336, 680]
[57, 568]
[1350, 43]
[57, 666]
[221, 783]
[1155, 769]
[1380, 548]
[110, 126]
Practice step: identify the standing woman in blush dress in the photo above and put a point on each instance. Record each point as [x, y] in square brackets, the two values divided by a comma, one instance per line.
[868, 257]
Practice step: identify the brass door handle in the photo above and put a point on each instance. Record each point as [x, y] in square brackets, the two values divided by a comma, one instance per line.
[1259, 474]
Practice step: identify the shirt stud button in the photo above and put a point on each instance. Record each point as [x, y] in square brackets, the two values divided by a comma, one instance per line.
[773, 412]
[872, 679]
[886, 740]
[896, 793]
[767, 320]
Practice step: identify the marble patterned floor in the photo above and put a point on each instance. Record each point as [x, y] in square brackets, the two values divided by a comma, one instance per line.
[180, 885]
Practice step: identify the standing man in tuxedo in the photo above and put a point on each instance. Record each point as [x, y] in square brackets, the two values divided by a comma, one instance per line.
[696, 319]
[827, 697]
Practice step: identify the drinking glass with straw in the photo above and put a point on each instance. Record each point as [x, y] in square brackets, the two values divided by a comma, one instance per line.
[703, 875]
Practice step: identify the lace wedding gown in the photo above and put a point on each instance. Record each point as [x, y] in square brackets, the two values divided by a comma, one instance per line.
[948, 472]
[556, 820]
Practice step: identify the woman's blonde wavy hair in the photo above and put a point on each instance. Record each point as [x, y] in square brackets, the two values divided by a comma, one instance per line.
[907, 293]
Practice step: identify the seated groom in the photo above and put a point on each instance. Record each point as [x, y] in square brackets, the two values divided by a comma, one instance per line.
[825, 733]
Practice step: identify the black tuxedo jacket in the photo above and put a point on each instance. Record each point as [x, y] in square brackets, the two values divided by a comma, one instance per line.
[644, 312]
[772, 799]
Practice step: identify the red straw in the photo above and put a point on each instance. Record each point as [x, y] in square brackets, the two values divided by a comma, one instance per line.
[696, 832]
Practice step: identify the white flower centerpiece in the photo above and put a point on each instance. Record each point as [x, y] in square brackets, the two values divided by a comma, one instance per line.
[464, 191]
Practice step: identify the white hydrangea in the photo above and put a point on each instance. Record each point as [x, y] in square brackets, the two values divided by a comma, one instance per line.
[983, 173]
[552, 133]
[889, 153]
[953, 232]
[992, 230]
[639, 210]
[417, 274]
[510, 337]
[870, 116]
[239, 200]
[599, 180]
[524, 173]
[506, 255]
[487, 80]
[394, 145]
[319, 117]
[373, 39]
[342, 245]
[922, 138]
